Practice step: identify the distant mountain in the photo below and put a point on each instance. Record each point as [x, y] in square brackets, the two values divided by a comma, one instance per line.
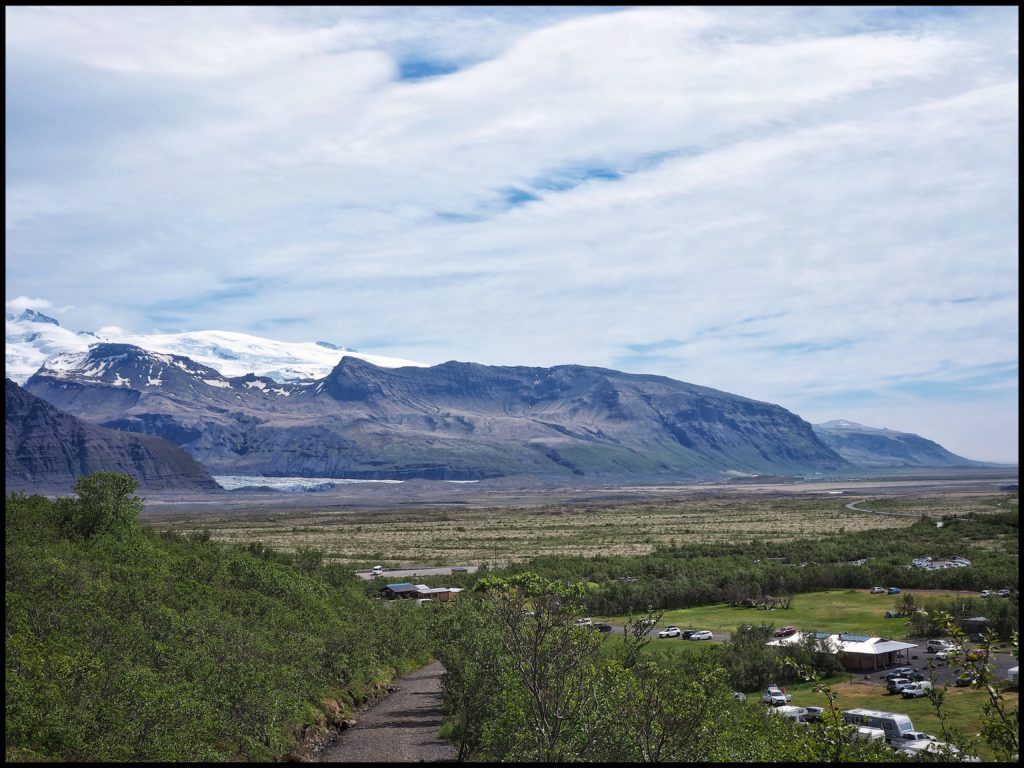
[47, 449]
[870, 447]
[455, 421]
[32, 338]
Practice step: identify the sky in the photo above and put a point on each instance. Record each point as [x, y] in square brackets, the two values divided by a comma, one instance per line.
[814, 207]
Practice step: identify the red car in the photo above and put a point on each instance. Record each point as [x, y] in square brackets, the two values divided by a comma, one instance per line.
[785, 631]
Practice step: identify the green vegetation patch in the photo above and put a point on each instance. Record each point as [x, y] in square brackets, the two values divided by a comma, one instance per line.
[127, 645]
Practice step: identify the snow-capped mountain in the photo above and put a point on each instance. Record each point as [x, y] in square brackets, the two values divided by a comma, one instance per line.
[33, 338]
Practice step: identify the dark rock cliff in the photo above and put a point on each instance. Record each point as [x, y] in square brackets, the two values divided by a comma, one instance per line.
[48, 449]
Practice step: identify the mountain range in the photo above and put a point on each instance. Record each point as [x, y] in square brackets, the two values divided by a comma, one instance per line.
[32, 338]
[454, 421]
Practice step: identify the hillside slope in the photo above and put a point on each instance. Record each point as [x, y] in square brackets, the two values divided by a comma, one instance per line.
[47, 449]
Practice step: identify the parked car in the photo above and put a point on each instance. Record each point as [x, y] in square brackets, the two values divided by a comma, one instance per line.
[703, 634]
[987, 593]
[647, 622]
[377, 570]
[878, 590]
[911, 737]
[938, 645]
[899, 672]
[897, 684]
[784, 632]
[942, 656]
[915, 676]
[932, 749]
[776, 696]
[916, 690]
[964, 679]
[813, 714]
[586, 621]
[602, 627]
[894, 590]
[1003, 593]
[739, 696]
[670, 632]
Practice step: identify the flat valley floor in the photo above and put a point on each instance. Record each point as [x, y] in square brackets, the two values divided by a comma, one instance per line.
[422, 523]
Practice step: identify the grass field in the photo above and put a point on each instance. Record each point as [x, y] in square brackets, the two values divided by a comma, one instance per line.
[851, 611]
[963, 706]
[473, 536]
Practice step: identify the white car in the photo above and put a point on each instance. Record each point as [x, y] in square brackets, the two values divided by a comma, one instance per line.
[670, 632]
[942, 655]
[703, 634]
[920, 748]
[878, 590]
[586, 621]
[377, 570]
[916, 690]
[909, 738]
[776, 696]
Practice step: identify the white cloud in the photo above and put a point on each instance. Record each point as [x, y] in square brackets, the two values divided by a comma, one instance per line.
[809, 202]
[21, 303]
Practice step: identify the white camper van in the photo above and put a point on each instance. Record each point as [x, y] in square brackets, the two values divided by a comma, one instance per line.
[793, 714]
[892, 724]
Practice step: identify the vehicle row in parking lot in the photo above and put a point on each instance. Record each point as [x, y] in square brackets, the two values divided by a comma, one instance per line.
[686, 634]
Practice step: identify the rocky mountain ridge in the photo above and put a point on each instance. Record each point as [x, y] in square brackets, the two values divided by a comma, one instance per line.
[453, 421]
[872, 447]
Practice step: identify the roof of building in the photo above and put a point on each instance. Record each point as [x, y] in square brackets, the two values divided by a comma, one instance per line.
[850, 643]
[406, 586]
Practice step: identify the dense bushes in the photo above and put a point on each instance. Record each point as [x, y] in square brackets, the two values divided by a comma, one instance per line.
[525, 685]
[703, 574]
[128, 645]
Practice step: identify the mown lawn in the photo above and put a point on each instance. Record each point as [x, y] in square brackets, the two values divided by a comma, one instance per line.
[963, 706]
[851, 611]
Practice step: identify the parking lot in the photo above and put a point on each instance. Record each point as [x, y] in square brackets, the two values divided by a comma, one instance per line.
[941, 672]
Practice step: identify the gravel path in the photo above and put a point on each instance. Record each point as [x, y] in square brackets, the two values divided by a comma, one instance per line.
[401, 728]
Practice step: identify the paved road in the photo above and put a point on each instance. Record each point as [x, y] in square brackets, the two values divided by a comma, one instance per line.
[401, 728]
[393, 574]
[852, 506]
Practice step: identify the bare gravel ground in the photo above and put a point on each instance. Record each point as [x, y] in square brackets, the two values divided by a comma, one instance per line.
[400, 728]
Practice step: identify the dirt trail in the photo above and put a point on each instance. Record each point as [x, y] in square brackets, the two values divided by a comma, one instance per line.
[401, 728]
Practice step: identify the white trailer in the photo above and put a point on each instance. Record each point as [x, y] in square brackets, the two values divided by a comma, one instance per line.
[892, 724]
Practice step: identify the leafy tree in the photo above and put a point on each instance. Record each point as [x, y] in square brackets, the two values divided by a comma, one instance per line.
[106, 503]
[551, 661]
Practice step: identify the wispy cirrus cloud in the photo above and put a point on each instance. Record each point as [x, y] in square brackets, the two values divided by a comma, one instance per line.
[797, 205]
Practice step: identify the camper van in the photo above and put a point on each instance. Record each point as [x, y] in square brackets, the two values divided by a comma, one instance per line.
[793, 714]
[892, 724]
